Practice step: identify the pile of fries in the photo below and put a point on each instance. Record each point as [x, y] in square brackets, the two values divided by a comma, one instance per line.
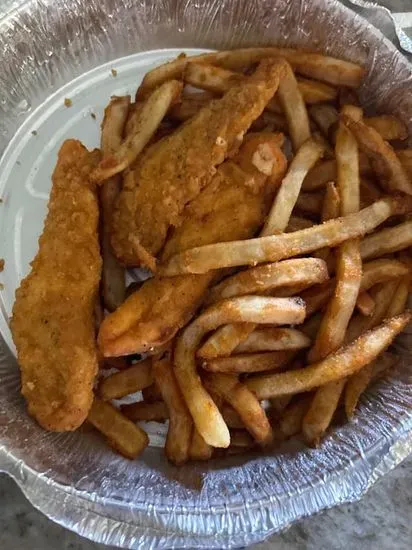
[283, 345]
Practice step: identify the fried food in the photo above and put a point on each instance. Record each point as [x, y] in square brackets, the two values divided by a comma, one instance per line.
[53, 315]
[233, 205]
[173, 171]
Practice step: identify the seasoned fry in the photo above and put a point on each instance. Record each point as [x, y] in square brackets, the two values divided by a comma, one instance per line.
[279, 247]
[388, 126]
[338, 365]
[386, 241]
[365, 303]
[156, 411]
[244, 402]
[127, 381]
[273, 339]
[199, 449]
[358, 383]
[253, 309]
[179, 435]
[383, 158]
[306, 157]
[249, 362]
[149, 117]
[295, 110]
[270, 276]
[113, 274]
[122, 434]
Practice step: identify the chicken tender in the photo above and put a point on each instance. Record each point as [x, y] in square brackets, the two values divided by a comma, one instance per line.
[174, 170]
[53, 320]
[232, 206]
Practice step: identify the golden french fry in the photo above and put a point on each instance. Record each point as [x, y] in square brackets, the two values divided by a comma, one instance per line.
[383, 158]
[156, 411]
[270, 276]
[122, 434]
[249, 362]
[278, 247]
[179, 435]
[273, 339]
[306, 157]
[253, 309]
[345, 361]
[253, 416]
[365, 303]
[325, 116]
[388, 126]
[399, 298]
[386, 241]
[294, 108]
[358, 383]
[127, 381]
[199, 449]
[149, 117]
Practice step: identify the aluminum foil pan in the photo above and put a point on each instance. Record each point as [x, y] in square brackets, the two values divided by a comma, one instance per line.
[74, 478]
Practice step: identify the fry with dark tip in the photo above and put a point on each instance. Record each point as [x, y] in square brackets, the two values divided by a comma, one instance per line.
[233, 205]
[53, 315]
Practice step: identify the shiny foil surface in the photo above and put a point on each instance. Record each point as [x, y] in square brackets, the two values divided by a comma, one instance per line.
[75, 479]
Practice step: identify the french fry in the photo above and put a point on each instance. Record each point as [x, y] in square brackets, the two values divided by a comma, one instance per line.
[148, 120]
[249, 362]
[270, 276]
[199, 449]
[306, 157]
[383, 158]
[324, 116]
[122, 434]
[127, 381]
[273, 339]
[294, 108]
[358, 383]
[386, 241]
[179, 435]
[253, 309]
[344, 362]
[365, 303]
[279, 247]
[313, 65]
[113, 274]
[389, 127]
[156, 411]
[244, 402]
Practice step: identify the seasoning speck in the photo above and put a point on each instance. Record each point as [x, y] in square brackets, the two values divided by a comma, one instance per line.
[1, 264]
[114, 72]
[67, 102]
[34, 133]
[93, 116]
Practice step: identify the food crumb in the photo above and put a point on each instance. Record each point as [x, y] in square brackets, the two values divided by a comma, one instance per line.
[93, 116]
[114, 72]
[1, 264]
[67, 102]
[34, 133]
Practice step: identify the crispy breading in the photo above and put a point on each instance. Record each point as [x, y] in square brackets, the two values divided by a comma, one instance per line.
[174, 170]
[53, 320]
[233, 205]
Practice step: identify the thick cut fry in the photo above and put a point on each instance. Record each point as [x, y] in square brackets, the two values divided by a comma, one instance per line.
[253, 309]
[249, 362]
[294, 108]
[253, 416]
[199, 449]
[314, 65]
[338, 365]
[320, 413]
[325, 116]
[365, 303]
[232, 206]
[388, 126]
[172, 172]
[179, 435]
[127, 381]
[306, 157]
[386, 241]
[279, 247]
[147, 122]
[273, 339]
[358, 383]
[383, 158]
[148, 412]
[270, 276]
[122, 434]
[113, 274]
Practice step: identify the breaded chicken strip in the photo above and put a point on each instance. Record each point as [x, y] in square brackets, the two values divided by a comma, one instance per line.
[174, 170]
[232, 206]
[53, 322]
